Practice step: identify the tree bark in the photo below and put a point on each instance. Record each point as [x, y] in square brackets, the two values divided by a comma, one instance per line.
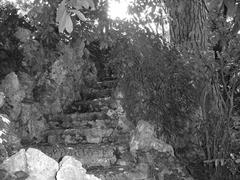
[188, 20]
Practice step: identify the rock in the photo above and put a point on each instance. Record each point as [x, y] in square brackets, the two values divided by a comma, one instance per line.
[58, 72]
[52, 139]
[40, 177]
[27, 83]
[91, 138]
[163, 166]
[68, 139]
[144, 138]
[49, 98]
[17, 162]
[89, 154]
[120, 116]
[71, 169]
[11, 87]
[31, 165]
[98, 132]
[40, 164]
[36, 127]
[8, 136]
[3, 153]
[90, 74]
[2, 99]
[58, 88]
[4, 175]
[4, 127]
[141, 172]
[23, 34]
[10, 84]
[33, 121]
[21, 175]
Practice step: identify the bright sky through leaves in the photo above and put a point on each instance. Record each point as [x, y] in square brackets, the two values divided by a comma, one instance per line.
[118, 9]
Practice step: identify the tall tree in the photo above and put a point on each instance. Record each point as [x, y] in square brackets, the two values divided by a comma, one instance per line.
[187, 23]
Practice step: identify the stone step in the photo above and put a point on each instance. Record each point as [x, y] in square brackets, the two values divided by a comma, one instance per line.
[91, 93]
[88, 132]
[89, 154]
[76, 119]
[127, 172]
[89, 116]
[111, 173]
[108, 78]
[108, 83]
[96, 105]
[69, 123]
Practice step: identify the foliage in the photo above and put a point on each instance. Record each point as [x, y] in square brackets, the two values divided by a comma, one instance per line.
[10, 55]
[158, 85]
[150, 15]
[64, 14]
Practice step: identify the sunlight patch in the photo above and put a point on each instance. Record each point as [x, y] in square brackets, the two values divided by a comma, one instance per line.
[118, 9]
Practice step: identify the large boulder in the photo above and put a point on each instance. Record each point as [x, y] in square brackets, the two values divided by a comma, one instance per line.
[35, 165]
[143, 138]
[15, 163]
[71, 169]
[32, 162]
[40, 166]
[58, 88]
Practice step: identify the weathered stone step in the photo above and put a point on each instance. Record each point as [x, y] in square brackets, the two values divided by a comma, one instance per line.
[120, 173]
[91, 93]
[88, 116]
[108, 83]
[112, 173]
[95, 105]
[89, 155]
[77, 135]
[65, 118]
[69, 123]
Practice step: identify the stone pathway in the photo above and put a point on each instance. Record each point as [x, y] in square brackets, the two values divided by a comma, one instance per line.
[86, 132]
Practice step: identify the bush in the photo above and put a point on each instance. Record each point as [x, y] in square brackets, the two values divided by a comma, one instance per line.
[158, 85]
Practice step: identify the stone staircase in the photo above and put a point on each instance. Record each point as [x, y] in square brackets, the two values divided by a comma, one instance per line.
[86, 120]
[86, 131]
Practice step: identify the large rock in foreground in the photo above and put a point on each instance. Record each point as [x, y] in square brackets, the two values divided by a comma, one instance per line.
[35, 165]
[71, 169]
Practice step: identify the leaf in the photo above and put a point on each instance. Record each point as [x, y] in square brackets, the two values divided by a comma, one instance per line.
[79, 14]
[87, 4]
[62, 23]
[60, 11]
[231, 7]
[69, 24]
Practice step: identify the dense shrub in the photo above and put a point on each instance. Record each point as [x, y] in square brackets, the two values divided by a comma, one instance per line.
[158, 85]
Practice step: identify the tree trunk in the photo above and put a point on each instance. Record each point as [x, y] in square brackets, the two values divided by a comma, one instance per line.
[187, 23]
